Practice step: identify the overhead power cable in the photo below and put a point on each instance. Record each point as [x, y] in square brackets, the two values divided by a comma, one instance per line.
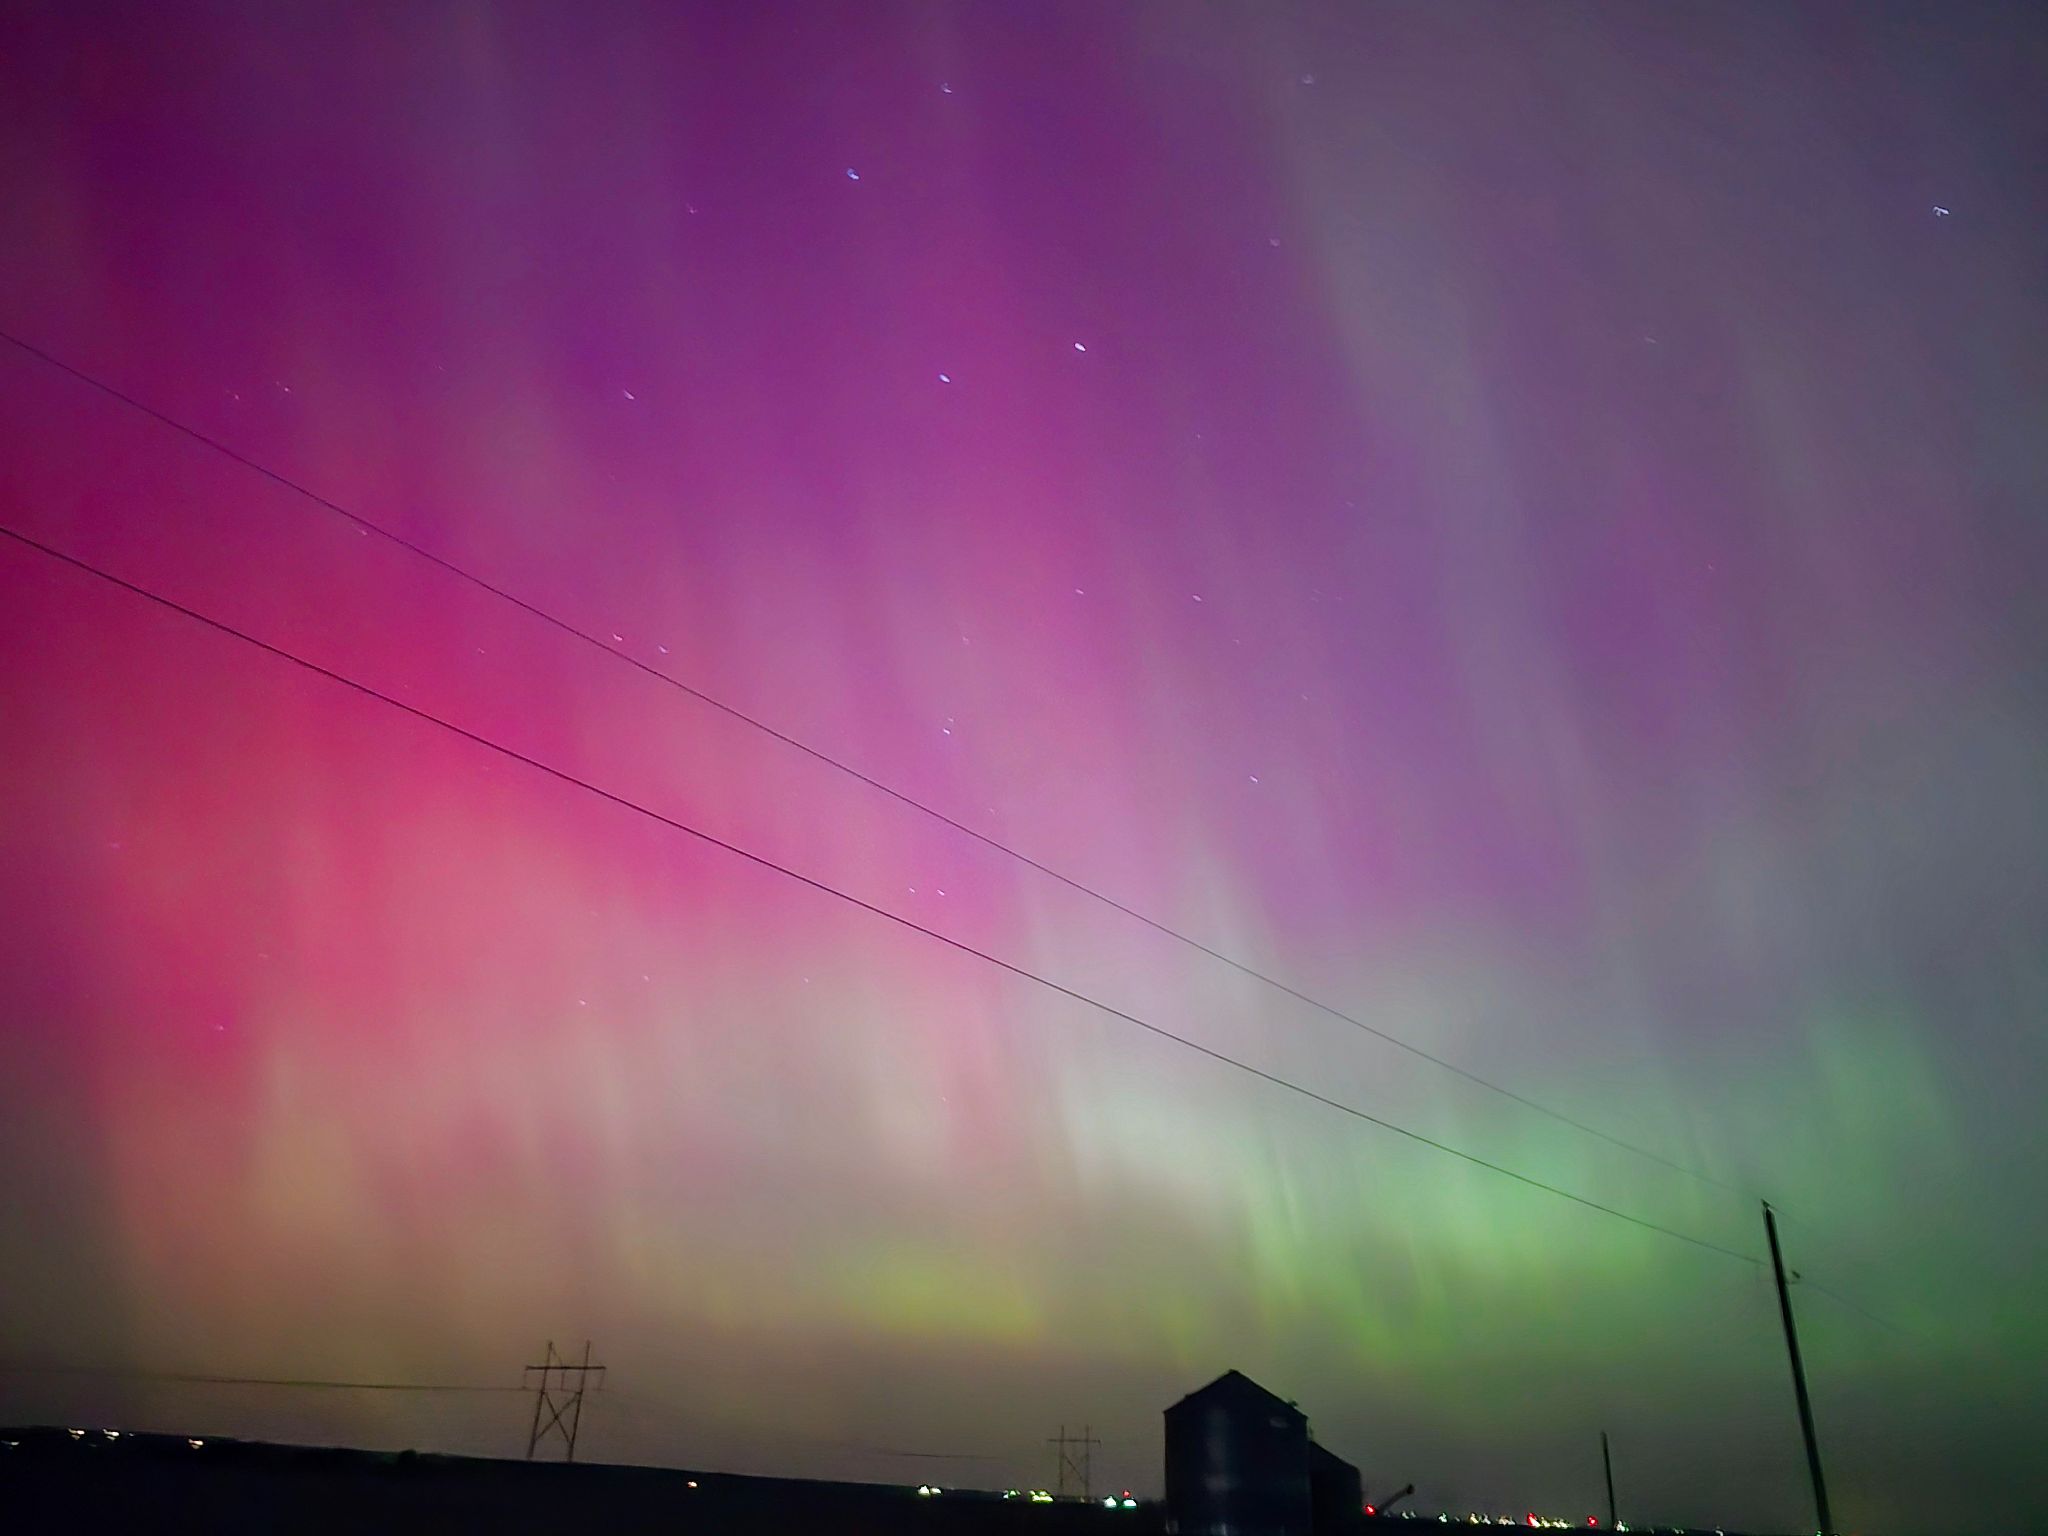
[188, 1378]
[762, 861]
[902, 797]
[1857, 1307]
[641, 1402]
[1807, 1282]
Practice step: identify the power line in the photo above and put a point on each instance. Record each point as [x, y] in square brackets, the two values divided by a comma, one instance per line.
[900, 796]
[1801, 1279]
[189, 1378]
[1842, 1301]
[634, 1401]
[762, 861]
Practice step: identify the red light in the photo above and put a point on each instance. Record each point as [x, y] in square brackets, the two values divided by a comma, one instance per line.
[1370, 1510]
[1532, 1522]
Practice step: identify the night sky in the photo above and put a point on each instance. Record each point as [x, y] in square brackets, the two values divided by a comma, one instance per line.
[1524, 522]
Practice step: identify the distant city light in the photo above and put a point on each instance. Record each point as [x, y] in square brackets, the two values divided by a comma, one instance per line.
[195, 1444]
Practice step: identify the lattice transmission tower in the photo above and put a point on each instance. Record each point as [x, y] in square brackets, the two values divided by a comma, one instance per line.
[557, 1404]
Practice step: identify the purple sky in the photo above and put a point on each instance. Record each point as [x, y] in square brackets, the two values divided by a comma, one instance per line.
[1523, 521]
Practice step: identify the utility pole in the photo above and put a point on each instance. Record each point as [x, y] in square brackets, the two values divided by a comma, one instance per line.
[1076, 1460]
[562, 1403]
[1820, 1487]
[1607, 1461]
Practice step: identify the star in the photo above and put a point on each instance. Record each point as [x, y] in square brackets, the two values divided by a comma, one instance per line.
[1080, 346]
[1940, 212]
[629, 394]
[945, 378]
[852, 174]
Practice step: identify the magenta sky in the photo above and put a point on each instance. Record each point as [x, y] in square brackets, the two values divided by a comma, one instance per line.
[1523, 520]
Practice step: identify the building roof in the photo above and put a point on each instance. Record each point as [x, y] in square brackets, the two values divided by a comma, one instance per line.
[1238, 1387]
[1318, 1452]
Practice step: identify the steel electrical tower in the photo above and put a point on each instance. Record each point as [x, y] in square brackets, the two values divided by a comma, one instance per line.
[1076, 1460]
[557, 1404]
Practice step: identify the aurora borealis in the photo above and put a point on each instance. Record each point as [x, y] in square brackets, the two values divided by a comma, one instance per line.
[1524, 521]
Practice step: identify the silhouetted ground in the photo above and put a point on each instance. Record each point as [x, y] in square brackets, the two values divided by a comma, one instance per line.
[51, 1481]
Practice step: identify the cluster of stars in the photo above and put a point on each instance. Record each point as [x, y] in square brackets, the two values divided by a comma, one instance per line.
[1080, 347]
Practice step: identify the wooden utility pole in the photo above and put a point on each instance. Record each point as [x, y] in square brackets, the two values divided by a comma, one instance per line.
[1820, 1486]
[1607, 1461]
